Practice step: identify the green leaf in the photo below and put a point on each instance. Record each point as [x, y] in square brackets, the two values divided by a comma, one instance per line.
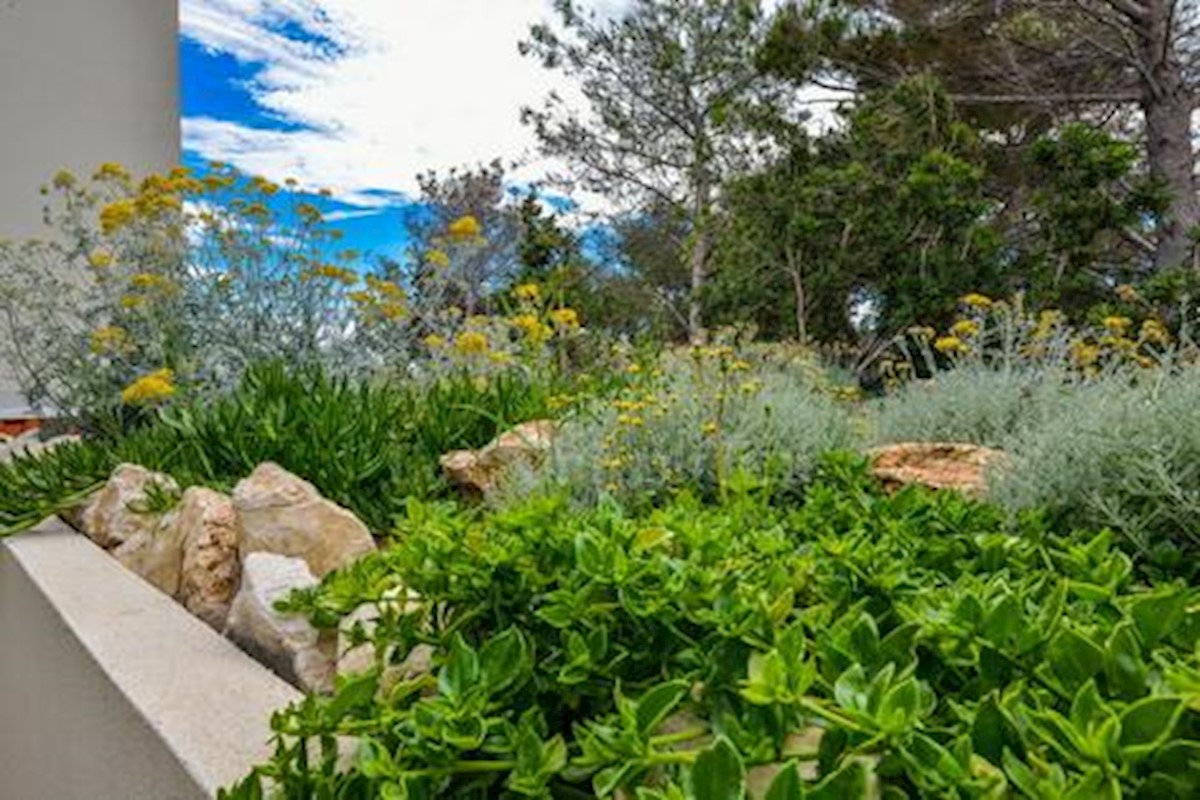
[461, 671]
[787, 784]
[504, 660]
[656, 704]
[1146, 724]
[1074, 658]
[853, 780]
[718, 773]
[1157, 613]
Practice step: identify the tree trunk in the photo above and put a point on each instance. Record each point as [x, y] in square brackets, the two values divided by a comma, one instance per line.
[1167, 105]
[797, 275]
[699, 258]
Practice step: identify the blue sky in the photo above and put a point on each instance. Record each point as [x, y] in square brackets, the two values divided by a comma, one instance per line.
[360, 96]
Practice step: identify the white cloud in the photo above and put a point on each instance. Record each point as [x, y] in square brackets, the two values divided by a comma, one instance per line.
[387, 89]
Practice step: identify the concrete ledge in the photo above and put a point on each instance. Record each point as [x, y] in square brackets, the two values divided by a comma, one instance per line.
[110, 690]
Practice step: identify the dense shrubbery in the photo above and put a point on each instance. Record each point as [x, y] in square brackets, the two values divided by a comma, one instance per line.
[900, 646]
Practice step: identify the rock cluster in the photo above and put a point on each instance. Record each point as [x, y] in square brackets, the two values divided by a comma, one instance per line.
[228, 559]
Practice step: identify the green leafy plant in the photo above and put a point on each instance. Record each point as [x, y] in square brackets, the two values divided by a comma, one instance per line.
[857, 645]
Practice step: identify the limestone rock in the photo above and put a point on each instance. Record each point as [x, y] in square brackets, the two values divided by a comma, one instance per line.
[477, 471]
[286, 515]
[111, 516]
[211, 569]
[288, 644]
[938, 465]
[155, 553]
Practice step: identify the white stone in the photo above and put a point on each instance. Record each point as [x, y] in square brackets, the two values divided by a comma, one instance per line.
[287, 643]
[155, 554]
[284, 514]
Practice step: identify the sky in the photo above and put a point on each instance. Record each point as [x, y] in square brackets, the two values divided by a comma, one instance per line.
[360, 96]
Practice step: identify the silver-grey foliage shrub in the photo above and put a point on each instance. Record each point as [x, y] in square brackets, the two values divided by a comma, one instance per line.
[1121, 451]
[696, 427]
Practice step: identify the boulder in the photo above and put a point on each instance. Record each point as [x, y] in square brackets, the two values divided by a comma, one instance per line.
[210, 568]
[478, 471]
[286, 515]
[155, 553]
[287, 643]
[937, 465]
[117, 513]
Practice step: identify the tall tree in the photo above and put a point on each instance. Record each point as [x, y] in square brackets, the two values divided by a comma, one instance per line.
[667, 86]
[1023, 60]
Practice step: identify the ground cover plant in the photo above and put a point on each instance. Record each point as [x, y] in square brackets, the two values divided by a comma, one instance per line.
[851, 645]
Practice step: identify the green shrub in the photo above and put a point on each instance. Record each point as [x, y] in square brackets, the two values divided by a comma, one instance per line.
[910, 645]
[367, 446]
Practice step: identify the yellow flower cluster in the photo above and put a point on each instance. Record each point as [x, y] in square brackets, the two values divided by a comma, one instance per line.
[565, 319]
[100, 259]
[150, 389]
[528, 293]
[470, 343]
[109, 339]
[331, 272]
[438, 258]
[532, 327]
[950, 345]
[976, 300]
[465, 228]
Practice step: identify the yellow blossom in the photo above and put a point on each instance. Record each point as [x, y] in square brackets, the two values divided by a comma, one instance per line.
[964, 328]
[465, 227]
[149, 389]
[100, 259]
[471, 343]
[531, 326]
[132, 301]
[529, 292]
[117, 215]
[922, 333]
[386, 288]
[434, 342]
[976, 300]
[109, 339]
[1127, 293]
[710, 428]
[1117, 324]
[1154, 332]
[438, 258]
[1085, 354]
[64, 179]
[111, 171]
[566, 319]
[148, 281]
[630, 420]
[332, 272]
[950, 344]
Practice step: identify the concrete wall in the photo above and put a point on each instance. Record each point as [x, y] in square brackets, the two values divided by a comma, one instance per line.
[82, 82]
[111, 691]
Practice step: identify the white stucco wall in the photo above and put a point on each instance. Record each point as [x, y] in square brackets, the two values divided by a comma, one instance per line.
[109, 690]
[82, 82]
